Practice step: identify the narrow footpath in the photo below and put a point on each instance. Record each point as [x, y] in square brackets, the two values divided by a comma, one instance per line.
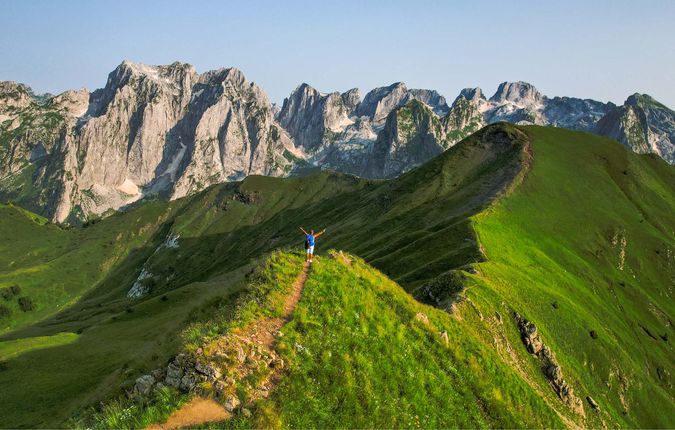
[264, 333]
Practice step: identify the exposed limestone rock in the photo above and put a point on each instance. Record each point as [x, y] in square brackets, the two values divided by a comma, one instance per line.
[174, 374]
[412, 134]
[140, 286]
[152, 129]
[422, 318]
[432, 99]
[379, 102]
[643, 125]
[143, 386]
[168, 131]
[211, 372]
[351, 100]
[73, 103]
[549, 365]
[311, 117]
[530, 337]
[188, 382]
[519, 92]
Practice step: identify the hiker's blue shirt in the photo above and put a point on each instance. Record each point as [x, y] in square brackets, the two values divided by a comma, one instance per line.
[310, 239]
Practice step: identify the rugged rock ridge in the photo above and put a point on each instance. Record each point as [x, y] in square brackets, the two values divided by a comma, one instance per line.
[642, 124]
[374, 146]
[411, 135]
[152, 130]
[310, 116]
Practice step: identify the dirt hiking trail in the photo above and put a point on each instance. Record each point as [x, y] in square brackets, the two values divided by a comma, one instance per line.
[264, 333]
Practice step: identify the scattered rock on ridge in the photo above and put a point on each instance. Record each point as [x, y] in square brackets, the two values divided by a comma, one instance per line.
[550, 367]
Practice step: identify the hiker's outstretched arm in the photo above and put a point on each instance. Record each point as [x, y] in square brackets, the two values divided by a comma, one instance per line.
[320, 233]
[303, 230]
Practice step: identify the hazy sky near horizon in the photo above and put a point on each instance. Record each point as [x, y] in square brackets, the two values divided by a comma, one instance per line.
[603, 49]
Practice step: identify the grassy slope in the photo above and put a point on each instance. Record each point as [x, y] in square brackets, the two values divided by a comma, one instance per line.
[359, 358]
[558, 240]
[94, 338]
[55, 266]
[266, 288]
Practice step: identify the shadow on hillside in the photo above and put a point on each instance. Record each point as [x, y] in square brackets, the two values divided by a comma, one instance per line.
[414, 228]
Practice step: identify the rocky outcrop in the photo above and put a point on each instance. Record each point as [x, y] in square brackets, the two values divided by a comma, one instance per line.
[432, 99]
[642, 124]
[519, 93]
[351, 100]
[312, 118]
[373, 147]
[520, 102]
[412, 134]
[464, 118]
[379, 102]
[535, 345]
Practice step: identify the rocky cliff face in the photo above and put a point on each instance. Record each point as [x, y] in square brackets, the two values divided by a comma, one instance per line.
[412, 135]
[152, 130]
[311, 117]
[168, 131]
[642, 124]
[373, 146]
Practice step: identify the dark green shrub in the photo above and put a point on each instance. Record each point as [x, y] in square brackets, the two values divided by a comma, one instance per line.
[8, 293]
[26, 304]
[5, 311]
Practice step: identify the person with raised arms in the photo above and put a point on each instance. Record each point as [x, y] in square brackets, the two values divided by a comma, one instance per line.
[309, 242]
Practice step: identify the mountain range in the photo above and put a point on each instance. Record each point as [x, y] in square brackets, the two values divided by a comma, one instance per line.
[167, 132]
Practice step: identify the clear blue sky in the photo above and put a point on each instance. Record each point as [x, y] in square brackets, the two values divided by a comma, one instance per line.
[605, 49]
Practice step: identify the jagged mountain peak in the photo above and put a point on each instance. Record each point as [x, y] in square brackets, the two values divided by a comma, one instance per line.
[305, 90]
[379, 93]
[645, 100]
[431, 98]
[470, 94]
[380, 101]
[8, 88]
[351, 99]
[230, 74]
[518, 92]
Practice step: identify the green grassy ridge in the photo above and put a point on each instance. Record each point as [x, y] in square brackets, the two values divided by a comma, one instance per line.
[222, 231]
[262, 294]
[557, 239]
[376, 219]
[357, 357]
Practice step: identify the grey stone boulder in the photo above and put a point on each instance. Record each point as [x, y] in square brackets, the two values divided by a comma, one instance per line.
[143, 385]
[211, 372]
[188, 382]
[174, 374]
